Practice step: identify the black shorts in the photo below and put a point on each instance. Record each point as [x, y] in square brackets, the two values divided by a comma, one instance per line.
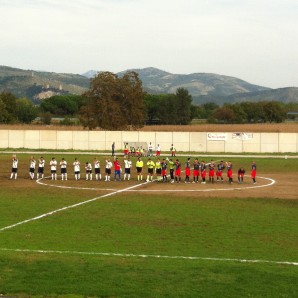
[63, 171]
[88, 171]
[40, 170]
[127, 170]
[31, 170]
[108, 171]
[77, 172]
[139, 169]
[14, 170]
[52, 171]
[150, 171]
[97, 170]
[158, 171]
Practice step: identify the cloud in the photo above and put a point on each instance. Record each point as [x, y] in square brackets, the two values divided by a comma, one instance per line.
[248, 39]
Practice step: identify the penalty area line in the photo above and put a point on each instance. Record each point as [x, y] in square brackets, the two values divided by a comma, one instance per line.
[128, 255]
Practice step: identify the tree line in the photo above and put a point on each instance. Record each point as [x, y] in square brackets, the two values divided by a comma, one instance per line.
[250, 112]
[119, 102]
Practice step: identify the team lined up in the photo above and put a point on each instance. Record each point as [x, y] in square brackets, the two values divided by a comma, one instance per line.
[198, 170]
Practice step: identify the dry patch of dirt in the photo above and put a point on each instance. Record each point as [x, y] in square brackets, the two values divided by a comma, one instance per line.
[260, 127]
[285, 187]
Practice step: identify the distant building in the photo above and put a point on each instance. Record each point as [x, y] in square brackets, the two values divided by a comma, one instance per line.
[292, 116]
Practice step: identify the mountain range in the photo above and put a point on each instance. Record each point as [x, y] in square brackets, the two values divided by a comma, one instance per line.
[204, 87]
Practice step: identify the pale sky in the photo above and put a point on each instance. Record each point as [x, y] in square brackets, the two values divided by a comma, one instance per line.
[254, 40]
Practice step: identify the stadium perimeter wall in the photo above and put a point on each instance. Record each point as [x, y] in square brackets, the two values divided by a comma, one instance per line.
[183, 141]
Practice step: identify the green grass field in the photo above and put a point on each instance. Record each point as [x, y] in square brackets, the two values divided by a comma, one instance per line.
[110, 247]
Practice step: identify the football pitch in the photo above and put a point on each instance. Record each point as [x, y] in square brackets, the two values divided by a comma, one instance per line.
[137, 239]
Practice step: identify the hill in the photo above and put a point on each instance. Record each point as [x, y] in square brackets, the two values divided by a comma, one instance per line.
[37, 85]
[204, 87]
[285, 95]
[198, 84]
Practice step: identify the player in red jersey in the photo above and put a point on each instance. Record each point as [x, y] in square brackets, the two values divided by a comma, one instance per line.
[177, 171]
[117, 167]
[164, 170]
[253, 172]
[203, 172]
[241, 173]
[196, 171]
[187, 170]
[230, 171]
[220, 168]
[211, 171]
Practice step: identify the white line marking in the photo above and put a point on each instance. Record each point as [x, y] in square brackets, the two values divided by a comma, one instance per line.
[119, 191]
[148, 256]
[209, 189]
[72, 187]
[229, 187]
[71, 206]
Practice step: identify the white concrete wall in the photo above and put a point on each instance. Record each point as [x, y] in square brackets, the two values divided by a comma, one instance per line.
[183, 141]
[252, 145]
[48, 139]
[288, 142]
[269, 142]
[4, 139]
[198, 142]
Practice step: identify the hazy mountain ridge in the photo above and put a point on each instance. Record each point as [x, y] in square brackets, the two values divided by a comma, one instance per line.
[32, 84]
[197, 83]
[285, 95]
[204, 87]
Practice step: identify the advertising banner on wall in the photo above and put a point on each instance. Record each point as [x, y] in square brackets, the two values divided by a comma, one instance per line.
[243, 136]
[216, 136]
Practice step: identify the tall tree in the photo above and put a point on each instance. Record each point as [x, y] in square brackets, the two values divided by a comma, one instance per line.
[26, 112]
[8, 107]
[184, 100]
[274, 112]
[224, 114]
[132, 101]
[114, 103]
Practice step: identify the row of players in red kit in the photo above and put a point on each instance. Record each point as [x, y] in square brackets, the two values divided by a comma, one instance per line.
[215, 171]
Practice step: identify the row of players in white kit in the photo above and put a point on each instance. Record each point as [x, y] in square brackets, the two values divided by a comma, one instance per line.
[63, 168]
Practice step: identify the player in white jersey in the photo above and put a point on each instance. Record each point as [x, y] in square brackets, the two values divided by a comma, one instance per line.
[96, 164]
[108, 170]
[150, 149]
[32, 164]
[14, 168]
[88, 168]
[63, 165]
[53, 165]
[77, 169]
[127, 167]
[40, 171]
